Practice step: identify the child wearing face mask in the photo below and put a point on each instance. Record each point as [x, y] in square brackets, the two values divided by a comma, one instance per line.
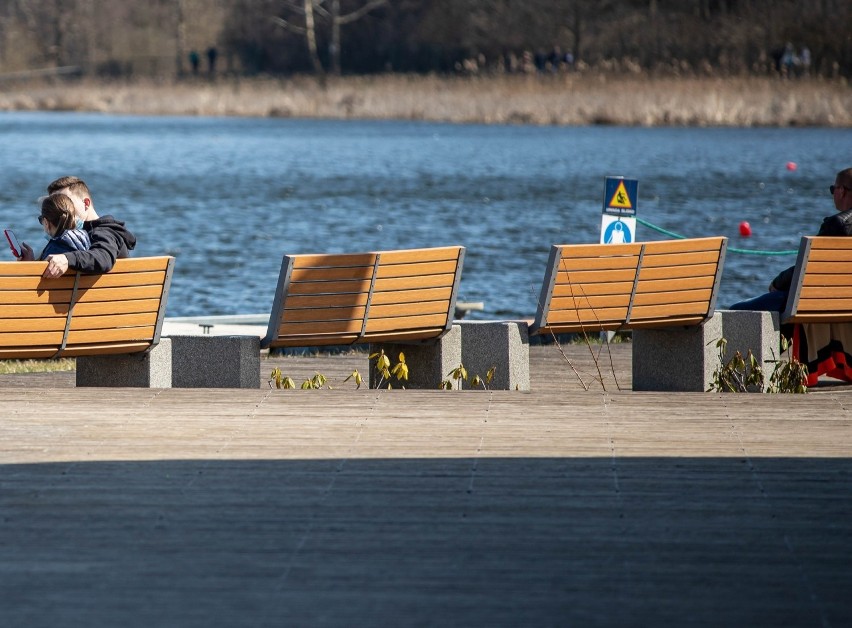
[60, 226]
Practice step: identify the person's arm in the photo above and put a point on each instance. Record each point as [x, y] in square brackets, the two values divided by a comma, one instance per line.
[100, 258]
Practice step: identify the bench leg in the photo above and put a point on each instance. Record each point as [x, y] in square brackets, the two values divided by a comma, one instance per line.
[428, 364]
[759, 332]
[503, 345]
[679, 359]
[131, 370]
[215, 361]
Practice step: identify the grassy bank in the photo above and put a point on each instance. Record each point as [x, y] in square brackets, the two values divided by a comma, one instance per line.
[560, 100]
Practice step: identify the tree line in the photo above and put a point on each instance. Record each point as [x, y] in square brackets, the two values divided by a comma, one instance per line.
[180, 38]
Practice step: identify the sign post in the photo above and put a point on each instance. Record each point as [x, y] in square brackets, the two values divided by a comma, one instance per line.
[618, 219]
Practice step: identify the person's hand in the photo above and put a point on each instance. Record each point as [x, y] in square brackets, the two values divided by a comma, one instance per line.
[56, 266]
[26, 253]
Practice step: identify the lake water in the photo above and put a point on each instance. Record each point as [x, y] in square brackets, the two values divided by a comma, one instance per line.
[228, 197]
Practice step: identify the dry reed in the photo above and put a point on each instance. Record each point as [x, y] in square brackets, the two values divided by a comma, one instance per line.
[571, 99]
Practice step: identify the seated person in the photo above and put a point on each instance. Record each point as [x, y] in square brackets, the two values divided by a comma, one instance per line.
[58, 218]
[111, 240]
[839, 224]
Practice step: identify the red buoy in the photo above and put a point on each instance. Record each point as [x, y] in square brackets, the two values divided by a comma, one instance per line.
[791, 166]
[745, 229]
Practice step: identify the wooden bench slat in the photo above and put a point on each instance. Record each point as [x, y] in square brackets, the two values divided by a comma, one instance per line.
[403, 256]
[587, 316]
[678, 272]
[22, 325]
[28, 353]
[110, 348]
[405, 322]
[95, 308]
[639, 312]
[827, 292]
[31, 339]
[414, 283]
[579, 290]
[675, 260]
[123, 334]
[405, 335]
[829, 255]
[713, 243]
[823, 280]
[121, 280]
[409, 309]
[828, 267]
[685, 283]
[324, 314]
[320, 328]
[674, 296]
[323, 260]
[597, 276]
[589, 301]
[416, 269]
[82, 323]
[334, 273]
[101, 295]
[577, 264]
[329, 287]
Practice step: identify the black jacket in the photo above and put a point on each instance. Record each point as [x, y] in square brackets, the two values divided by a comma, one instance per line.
[110, 241]
[836, 225]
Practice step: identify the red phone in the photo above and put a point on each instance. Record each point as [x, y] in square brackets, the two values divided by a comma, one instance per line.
[13, 242]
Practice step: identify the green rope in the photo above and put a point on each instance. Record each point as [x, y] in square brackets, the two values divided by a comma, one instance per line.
[671, 234]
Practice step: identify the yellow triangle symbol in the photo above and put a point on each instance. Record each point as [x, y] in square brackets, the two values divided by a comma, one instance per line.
[620, 198]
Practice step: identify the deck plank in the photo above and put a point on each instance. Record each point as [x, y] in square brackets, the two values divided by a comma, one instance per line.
[560, 506]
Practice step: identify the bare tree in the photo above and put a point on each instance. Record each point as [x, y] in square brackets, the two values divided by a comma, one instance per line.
[329, 11]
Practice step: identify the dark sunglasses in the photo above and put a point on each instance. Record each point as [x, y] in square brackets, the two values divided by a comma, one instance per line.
[831, 188]
[42, 218]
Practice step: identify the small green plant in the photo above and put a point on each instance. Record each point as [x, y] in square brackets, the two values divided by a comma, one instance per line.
[745, 374]
[788, 376]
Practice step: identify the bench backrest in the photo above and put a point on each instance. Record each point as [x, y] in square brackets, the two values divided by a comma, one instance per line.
[382, 296]
[117, 312]
[821, 291]
[594, 287]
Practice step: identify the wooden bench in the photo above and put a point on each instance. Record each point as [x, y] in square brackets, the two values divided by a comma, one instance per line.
[383, 298]
[664, 291]
[820, 306]
[119, 313]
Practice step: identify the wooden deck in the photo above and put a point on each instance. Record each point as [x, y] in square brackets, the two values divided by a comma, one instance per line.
[561, 506]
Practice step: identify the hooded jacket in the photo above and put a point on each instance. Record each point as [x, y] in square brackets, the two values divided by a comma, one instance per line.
[110, 241]
[68, 241]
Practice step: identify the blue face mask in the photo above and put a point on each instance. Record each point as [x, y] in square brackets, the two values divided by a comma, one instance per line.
[46, 235]
[80, 223]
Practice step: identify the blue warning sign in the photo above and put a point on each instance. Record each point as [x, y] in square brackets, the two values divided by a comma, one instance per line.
[621, 196]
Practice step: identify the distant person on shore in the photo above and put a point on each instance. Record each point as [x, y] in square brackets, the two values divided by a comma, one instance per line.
[212, 53]
[110, 239]
[58, 218]
[839, 224]
[195, 62]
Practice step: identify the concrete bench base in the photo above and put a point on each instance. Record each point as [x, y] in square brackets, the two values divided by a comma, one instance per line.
[215, 361]
[758, 332]
[503, 345]
[428, 364]
[679, 359]
[132, 370]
